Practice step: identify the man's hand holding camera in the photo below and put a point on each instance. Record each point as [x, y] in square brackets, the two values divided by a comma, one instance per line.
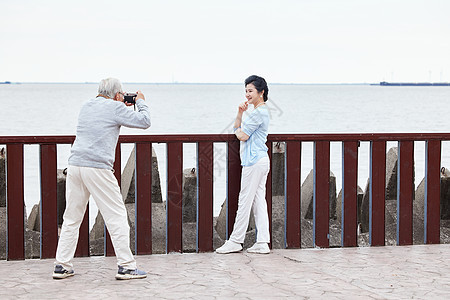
[131, 98]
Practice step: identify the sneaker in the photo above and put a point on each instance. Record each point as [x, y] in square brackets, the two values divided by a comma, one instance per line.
[229, 247]
[61, 273]
[261, 248]
[125, 274]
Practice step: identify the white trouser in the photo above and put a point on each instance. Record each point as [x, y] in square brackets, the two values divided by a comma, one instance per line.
[82, 182]
[253, 197]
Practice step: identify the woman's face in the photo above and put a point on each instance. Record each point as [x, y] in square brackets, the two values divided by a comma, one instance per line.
[252, 94]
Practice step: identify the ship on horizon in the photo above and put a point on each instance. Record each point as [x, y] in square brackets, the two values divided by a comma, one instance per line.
[385, 83]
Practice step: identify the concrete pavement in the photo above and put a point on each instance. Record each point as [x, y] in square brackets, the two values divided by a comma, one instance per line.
[400, 272]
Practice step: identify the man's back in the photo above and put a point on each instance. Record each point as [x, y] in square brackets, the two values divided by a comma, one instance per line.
[98, 130]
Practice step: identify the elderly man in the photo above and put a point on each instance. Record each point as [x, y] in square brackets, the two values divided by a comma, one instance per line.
[90, 172]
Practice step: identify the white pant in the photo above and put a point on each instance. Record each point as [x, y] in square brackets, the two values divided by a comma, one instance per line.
[253, 197]
[82, 182]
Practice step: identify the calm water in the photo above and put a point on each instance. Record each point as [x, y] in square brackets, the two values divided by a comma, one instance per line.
[52, 109]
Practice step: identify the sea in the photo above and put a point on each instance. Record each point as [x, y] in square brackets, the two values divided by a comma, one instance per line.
[35, 109]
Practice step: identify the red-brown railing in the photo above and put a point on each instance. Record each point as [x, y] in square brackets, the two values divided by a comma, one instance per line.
[48, 159]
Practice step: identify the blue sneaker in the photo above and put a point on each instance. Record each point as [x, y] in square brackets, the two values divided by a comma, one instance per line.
[125, 274]
[61, 273]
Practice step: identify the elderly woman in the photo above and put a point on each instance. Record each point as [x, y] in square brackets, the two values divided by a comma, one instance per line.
[255, 166]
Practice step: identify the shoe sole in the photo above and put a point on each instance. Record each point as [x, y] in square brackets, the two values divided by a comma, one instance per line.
[128, 276]
[228, 252]
[62, 276]
[258, 252]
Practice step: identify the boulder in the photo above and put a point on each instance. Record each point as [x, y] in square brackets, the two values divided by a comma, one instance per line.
[307, 197]
[34, 219]
[278, 169]
[158, 229]
[359, 198]
[2, 178]
[189, 195]
[364, 216]
[2, 232]
[128, 179]
[445, 198]
[221, 221]
[391, 173]
[61, 176]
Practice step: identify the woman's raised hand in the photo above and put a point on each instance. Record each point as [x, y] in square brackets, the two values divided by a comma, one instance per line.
[243, 106]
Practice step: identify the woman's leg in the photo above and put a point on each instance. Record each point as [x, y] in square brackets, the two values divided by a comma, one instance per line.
[260, 204]
[249, 185]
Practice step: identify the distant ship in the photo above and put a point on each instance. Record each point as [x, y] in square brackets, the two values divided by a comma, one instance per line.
[5, 82]
[384, 83]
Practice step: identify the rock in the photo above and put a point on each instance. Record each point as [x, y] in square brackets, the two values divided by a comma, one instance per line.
[364, 217]
[359, 198]
[128, 181]
[2, 232]
[61, 176]
[2, 178]
[158, 229]
[391, 173]
[32, 244]
[278, 224]
[307, 198]
[189, 195]
[445, 198]
[221, 222]
[278, 169]
[34, 219]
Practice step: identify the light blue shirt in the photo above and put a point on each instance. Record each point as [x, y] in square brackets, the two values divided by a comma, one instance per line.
[256, 126]
[98, 130]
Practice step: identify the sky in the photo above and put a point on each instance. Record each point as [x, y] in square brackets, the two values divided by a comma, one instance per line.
[208, 41]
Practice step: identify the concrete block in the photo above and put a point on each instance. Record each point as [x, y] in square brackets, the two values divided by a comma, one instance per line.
[307, 196]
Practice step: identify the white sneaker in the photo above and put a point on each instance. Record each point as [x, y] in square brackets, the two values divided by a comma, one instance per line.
[261, 248]
[229, 247]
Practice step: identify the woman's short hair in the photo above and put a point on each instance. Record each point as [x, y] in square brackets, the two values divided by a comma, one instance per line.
[260, 85]
[110, 87]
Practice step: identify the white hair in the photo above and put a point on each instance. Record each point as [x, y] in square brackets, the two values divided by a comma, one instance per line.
[110, 87]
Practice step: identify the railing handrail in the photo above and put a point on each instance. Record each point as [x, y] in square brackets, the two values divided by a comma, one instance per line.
[187, 138]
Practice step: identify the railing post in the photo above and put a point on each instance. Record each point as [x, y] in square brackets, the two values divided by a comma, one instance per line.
[15, 237]
[174, 196]
[432, 215]
[321, 206]
[205, 197]
[143, 201]
[405, 192]
[377, 193]
[293, 194]
[48, 208]
[233, 183]
[349, 227]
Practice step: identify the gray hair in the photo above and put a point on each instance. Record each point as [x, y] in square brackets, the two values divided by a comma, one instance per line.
[110, 87]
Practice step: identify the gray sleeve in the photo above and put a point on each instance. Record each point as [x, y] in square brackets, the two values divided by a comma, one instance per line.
[128, 117]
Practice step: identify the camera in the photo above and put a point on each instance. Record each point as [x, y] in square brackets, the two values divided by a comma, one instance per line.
[130, 98]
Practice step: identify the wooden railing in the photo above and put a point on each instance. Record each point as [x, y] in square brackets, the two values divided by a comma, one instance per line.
[205, 142]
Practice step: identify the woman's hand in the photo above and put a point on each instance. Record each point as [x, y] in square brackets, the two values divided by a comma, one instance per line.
[243, 106]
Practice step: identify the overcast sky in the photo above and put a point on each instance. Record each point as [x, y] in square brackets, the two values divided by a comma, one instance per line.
[286, 41]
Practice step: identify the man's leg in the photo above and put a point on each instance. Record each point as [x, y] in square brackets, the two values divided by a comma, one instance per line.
[77, 197]
[103, 186]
